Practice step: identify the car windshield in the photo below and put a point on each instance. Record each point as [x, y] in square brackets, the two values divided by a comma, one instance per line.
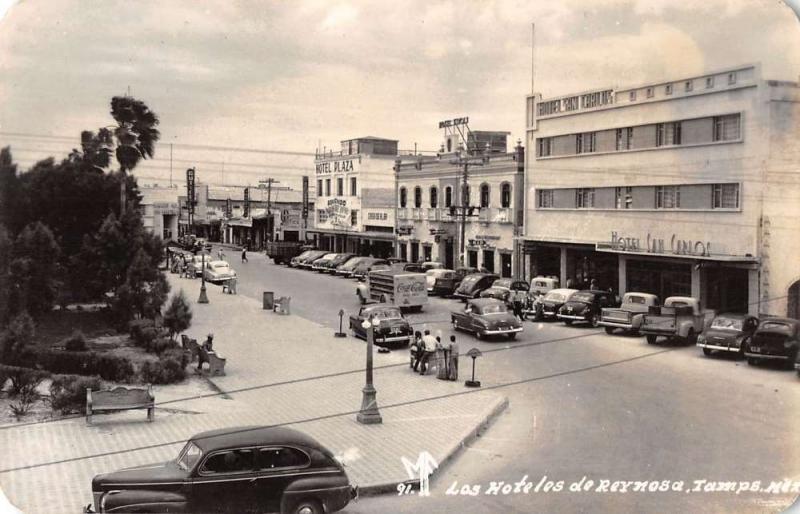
[775, 326]
[189, 456]
[636, 299]
[387, 314]
[505, 283]
[582, 297]
[731, 324]
[554, 297]
[493, 308]
[220, 265]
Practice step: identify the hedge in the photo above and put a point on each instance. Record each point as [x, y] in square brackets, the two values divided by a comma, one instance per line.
[169, 369]
[22, 379]
[68, 392]
[109, 367]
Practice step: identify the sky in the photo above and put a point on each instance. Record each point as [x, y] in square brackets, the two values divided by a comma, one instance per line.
[296, 75]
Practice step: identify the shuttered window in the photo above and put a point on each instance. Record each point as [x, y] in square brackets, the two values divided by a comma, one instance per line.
[727, 128]
[725, 196]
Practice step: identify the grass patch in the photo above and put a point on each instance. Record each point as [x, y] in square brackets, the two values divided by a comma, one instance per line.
[55, 326]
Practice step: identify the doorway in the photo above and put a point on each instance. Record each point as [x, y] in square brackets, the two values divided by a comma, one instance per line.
[448, 255]
[505, 265]
[488, 260]
[472, 258]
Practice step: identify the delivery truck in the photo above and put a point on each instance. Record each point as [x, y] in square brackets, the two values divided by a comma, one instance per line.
[399, 288]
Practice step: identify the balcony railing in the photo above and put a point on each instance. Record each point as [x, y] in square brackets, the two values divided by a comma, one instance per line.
[416, 213]
[444, 215]
[496, 215]
[433, 214]
[402, 213]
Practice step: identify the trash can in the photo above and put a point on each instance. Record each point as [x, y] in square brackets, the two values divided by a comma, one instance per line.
[269, 300]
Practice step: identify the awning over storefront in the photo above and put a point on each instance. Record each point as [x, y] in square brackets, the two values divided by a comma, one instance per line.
[240, 222]
[385, 236]
[697, 253]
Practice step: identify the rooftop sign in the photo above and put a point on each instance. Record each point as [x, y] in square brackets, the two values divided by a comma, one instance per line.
[454, 122]
[575, 103]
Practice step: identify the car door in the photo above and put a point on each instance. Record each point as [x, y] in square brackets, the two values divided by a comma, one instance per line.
[278, 466]
[225, 482]
[461, 318]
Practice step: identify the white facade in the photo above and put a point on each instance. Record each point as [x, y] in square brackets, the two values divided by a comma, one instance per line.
[688, 186]
[160, 210]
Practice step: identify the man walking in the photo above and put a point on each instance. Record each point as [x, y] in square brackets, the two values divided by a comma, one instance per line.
[430, 349]
[244, 254]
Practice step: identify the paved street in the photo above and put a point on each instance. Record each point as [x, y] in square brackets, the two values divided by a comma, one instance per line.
[589, 404]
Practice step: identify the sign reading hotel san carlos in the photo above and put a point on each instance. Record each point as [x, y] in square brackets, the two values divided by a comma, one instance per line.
[674, 245]
[575, 102]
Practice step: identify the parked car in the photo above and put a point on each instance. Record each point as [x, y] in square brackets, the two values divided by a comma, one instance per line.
[337, 261]
[433, 275]
[472, 285]
[502, 287]
[680, 318]
[728, 333]
[322, 263]
[445, 286]
[197, 263]
[486, 317]
[218, 271]
[346, 269]
[630, 314]
[585, 306]
[306, 257]
[240, 469]
[552, 302]
[369, 264]
[393, 328]
[774, 339]
[540, 286]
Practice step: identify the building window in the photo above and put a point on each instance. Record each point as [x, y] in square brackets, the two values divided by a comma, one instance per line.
[434, 197]
[668, 134]
[319, 187]
[340, 186]
[586, 142]
[688, 85]
[725, 196]
[727, 128]
[709, 82]
[624, 197]
[505, 195]
[732, 78]
[668, 89]
[465, 194]
[650, 92]
[353, 186]
[417, 197]
[545, 198]
[668, 197]
[624, 138]
[322, 215]
[584, 198]
[354, 217]
[327, 187]
[403, 197]
[544, 146]
[484, 195]
[632, 96]
[448, 196]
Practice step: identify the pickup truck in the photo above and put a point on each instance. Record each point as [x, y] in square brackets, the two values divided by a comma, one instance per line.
[630, 314]
[282, 251]
[399, 288]
[681, 317]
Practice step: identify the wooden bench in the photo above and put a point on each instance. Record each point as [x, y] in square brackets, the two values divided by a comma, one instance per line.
[120, 398]
[190, 347]
[216, 364]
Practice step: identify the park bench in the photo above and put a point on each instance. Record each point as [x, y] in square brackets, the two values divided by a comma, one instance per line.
[190, 347]
[216, 364]
[119, 398]
[281, 305]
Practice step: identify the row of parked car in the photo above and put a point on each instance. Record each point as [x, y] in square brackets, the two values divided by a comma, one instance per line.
[202, 264]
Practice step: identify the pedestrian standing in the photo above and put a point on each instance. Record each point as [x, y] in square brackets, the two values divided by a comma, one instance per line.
[244, 254]
[430, 349]
[441, 360]
[220, 254]
[518, 297]
[418, 348]
[452, 359]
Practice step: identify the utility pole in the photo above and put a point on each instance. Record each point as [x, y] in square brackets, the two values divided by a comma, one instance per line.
[270, 220]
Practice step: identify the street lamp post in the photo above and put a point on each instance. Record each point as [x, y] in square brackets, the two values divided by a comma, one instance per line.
[203, 296]
[369, 414]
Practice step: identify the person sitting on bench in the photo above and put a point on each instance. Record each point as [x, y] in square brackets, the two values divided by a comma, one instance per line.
[208, 346]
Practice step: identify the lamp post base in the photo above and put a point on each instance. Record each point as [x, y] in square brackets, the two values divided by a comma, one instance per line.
[369, 414]
[203, 296]
[339, 334]
[472, 383]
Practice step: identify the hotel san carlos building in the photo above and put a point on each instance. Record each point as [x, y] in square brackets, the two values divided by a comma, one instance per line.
[684, 187]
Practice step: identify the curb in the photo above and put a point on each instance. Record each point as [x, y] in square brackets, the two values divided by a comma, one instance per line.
[490, 414]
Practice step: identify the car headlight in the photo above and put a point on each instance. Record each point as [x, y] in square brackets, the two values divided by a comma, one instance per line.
[701, 338]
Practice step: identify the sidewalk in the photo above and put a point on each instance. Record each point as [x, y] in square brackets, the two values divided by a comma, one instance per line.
[276, 373]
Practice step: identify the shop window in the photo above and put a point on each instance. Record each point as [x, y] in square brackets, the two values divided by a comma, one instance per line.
[448, 196]
[584, 198]
[319, 187]
[545, 197]
[484, 195]
[668, 197]
[417, 197]
[632, 96]
[725, 196]
[668, 89]
[434, 197]
[353, 186]
[505, 195]
[403, 197]
[322, 215]
[465, 194]
[727, 128]
[709, 82]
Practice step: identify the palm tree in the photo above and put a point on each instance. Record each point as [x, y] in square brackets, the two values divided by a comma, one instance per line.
[136, 131]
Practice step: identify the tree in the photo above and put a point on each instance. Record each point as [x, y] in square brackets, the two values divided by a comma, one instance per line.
[15, 340]
[178, 316]
[135, 133]
[6, 249]
[144, 291]
[34, 270]
[12, 199]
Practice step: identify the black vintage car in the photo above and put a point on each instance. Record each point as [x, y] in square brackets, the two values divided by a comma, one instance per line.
[774, 339]
[728, 333]
[486, 317]
[585, 306]
[243, 469]
[447, 286]
[472, 285]
[393, 329]
[551, 302]
[502, 287]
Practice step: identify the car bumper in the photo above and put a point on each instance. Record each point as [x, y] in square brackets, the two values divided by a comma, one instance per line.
[615, 324]
[656, 332]
[719, 347]
[394, 339]
[501, 331]
[571, 317]
[766, 356]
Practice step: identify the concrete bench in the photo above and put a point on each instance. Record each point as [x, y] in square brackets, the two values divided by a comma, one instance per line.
[120, 398]
[216, 364]
[282, 305]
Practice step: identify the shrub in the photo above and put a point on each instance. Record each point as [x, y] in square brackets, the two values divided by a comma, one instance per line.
[165, 371]
[178, 355]
[178, 316]
[76, 342]
[25, 401]
[14, 341]
[68, 392]
[114, 368]
[143, 332]
[23, 380]
[160, 345]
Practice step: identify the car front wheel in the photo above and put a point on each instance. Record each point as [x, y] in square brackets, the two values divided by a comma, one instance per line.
[609, 330]
[651, 338]
[594, 319]
[306, 507]
[512, 336]
[706, 351]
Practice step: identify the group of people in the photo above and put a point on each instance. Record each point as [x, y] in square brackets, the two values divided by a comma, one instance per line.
[445, 357]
